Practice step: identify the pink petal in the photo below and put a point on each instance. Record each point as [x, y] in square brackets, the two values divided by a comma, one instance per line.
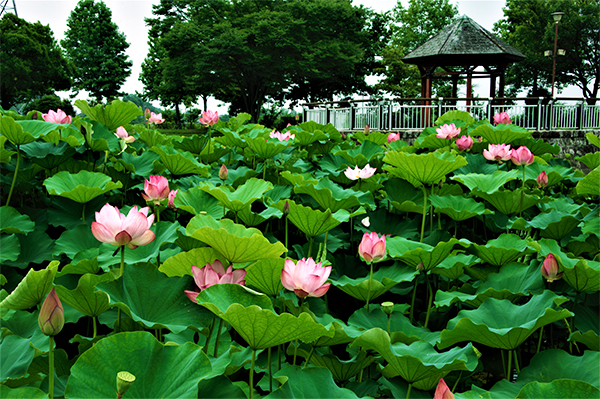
[102, 234]
[192, 295]
[135, 224]
[198, 276]
[123, 238]
[287, 280]
[321, 291]
[144, 239]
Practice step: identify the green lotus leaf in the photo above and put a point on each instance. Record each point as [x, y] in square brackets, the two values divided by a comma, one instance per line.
[16, 354]
[413, 253]
[590, 184]
[332, 163]
[141, 165]
[403, 195]
[265, 276]
[196, 201]
[508, 332]
[11, 248]
[11, 221]
[252, 219]
[592, 226]
[455, 115]
[73, 241]
[160, 370]
[560, 388]
[502, 250]
[81, 187]
[25, 325]
[181, 264]
[401, 328]
[216, 153]
[361, 155]
[341, 370]
[299, 179]
[230, 139]
[537, 147]
[591, 159]
[5, 155]
[83, 298]
[302, 137]
[589, 339]
[342, 333]
[425, 168]
[453, 266]
[555, 173]
[331, 196]
[513, 281]
[180, 163]
[330, 131]
[164, 233]
[417, 361]
[235, 242]
[313, 222]
[458, 208]
[555, 224]
[39, 249]
[152, 138]
[14, 132]
[581, 274]
[69, 134]
[240, 175]
[501, 134]
[137, 291]
[193, 144]
[266, 148]
[252, 190]
[253, 317]
[486, 183]
[32, 289]
[314, 382]
[48, 155]
[383, 280]
[501, 390]
[22, 393]
[552, 364]
[113, 115]
[592, 138]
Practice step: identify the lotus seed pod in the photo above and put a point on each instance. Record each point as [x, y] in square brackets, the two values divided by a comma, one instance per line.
[387, 307]
[124, 381]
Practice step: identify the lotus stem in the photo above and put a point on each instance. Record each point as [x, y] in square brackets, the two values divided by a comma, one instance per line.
[252, 373]
[269, 367]
[408, 391]
[286, 235]
[457, 381]
[122, 260]
[216, 353]
[312, 350]
[389, 323]
[517, 362]
[51, 367]
[310, 245]
[12, 185]
[95, 328]
[540, 340]
[210, 331]
[424, 212]
[295, 352]
[83, 213]
[522, 193]
[509, 369]
[429, 301]
[369, 290]
[265, 170]
[412, 304]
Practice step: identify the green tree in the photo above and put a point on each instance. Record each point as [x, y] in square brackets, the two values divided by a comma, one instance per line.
[529, 27]
[31, 61]
[248, 51]
[96, 48]
[411, 27]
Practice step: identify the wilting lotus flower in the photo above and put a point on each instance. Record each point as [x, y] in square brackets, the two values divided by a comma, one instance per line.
[305, 278]
[502, 117]
[366, 222]
[464, 143]
[356, 173]
[542, 179]
[212, 274]
[393, 137]
[282, 136]
[156, 189]
[550, 269]
[442, 391]
[57, 117]
[372, 247]
[497, 152]
[172, 195]
[122, 134]
[52, 315]
[155, 118]
[209, 118]
[113, 227]
[447, 131]
[223, 173]
[522, 156]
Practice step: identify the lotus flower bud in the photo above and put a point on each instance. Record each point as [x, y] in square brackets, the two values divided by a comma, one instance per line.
[442, 391]
[223, 173]
[147, 113]
[387, 307]
[124, 381]
[286, 208]
[366, 131]
[550, 269]
[52, 315]
[542, 179]
[372, 247]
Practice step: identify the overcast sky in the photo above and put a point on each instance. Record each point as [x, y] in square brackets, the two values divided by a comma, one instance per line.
[129, 16]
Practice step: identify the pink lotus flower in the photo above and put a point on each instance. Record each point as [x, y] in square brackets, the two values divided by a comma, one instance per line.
[172, 195]
[212, 274]
[155, 118]
[357, 173]
[52, 315]
[447, 131]
[542, 179]
[497, 152]
[464, 143]
[393, 137]
[122, 134]
[156, 189]
[282, 136]
[57, 117]
[367, 129]
[305, 278]
[502, 117]
[372, 247]
[209, 118]
[522, 156]
[442, 391]
[147, 113]
[113, 227]
[223, 173]
[550, 269]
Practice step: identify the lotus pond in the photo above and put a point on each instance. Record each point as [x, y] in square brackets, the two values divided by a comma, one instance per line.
[300, 264]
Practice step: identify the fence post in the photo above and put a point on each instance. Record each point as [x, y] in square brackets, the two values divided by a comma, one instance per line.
[439, 107]
[390, 115]
[580, 113]
[489, 109]
[352, 117]
[538, 122]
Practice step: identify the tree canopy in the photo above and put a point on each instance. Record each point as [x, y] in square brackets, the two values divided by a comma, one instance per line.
[96, 48]
[248, 51]
[31, 61]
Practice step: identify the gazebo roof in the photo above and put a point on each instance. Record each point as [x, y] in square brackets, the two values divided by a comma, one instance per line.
[464, 42]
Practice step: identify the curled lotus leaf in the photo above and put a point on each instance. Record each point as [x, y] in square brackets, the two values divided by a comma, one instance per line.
[181, 264]
[427, 168]
[450, 116]
[502, 250]
[81, 187]
[180, 162]
[117, 113]
[304, 137]
[367, 152]
[342, 370]
[331, 196]
[252, 190]
[458, 208]
[590, 184]
[265, 276]
[552, 364]
[313, 222]
[510, 202]
[83, 298]
[555, 224]
[266, 149]
[591, 159]
[486, 183]
[32, 289]
[11, 221]
[559, 388]
[383, 280]
[414, 253]
[501, 133]
[313, 382]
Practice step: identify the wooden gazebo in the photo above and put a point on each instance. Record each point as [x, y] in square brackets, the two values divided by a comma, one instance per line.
[459, 49]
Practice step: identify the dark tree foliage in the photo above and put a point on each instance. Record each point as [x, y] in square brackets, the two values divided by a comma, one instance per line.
[31, 62]
[248, 51]
[50, 102]
[96, 48]
[411, 27]
[529, 27]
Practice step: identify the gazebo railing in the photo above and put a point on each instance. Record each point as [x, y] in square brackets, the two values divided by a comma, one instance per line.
[411, 113]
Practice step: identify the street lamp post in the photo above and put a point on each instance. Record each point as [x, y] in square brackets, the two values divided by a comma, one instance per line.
[557, 16]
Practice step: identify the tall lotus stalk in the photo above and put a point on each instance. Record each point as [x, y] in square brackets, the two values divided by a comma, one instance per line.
[371, 249]
[12, 185]
[51, 321]
[208, 119]
[522, 156]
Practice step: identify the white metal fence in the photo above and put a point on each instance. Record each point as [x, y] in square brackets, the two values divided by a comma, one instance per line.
[530, 113]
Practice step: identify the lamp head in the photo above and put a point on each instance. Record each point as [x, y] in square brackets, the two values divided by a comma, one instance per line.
[557, 16]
